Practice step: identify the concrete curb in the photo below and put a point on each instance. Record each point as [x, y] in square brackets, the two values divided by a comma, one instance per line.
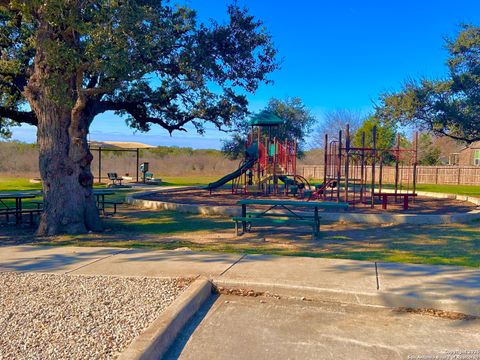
[417, 219]
[154, 342]
[380, 298]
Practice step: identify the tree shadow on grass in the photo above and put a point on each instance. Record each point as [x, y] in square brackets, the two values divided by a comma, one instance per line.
[452, 244]
[166, 222]
[448, 244]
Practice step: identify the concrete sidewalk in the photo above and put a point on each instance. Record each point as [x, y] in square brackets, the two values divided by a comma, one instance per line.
[347, 281]
[244, 327]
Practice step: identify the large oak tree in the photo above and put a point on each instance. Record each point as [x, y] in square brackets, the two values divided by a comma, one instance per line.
[63, 62]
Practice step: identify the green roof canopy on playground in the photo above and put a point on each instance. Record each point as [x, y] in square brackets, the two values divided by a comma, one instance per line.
[266, 118]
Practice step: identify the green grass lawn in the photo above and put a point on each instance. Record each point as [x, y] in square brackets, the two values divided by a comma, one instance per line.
[22, 184]
[10, 184]
[17, 184]
[450, 244]
[469, 190]
[188, 180]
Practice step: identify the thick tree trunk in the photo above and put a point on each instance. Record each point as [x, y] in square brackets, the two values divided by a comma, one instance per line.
[63, 121]
[69, 204]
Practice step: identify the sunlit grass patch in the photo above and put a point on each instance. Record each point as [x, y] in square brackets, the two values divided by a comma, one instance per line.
[167, 222]
[445, 244]
[188, 180]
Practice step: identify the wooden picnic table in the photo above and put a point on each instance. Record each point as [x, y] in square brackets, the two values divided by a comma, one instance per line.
[18, 197]
[292, 211]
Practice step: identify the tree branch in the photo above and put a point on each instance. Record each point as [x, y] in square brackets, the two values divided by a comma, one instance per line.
[94, 91]
[22, 117]
[17, 82]
[137, 111]
[454, 137]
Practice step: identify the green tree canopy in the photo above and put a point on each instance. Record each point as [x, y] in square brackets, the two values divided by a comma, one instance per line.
[450, 106]
[298, 123]
[63, 62]
[146, 60]
[386, 134]
[428, 152]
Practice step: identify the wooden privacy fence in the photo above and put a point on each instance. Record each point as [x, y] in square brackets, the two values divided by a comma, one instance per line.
[464, 175]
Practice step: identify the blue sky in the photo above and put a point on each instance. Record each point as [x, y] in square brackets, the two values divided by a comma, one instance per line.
[335, 54]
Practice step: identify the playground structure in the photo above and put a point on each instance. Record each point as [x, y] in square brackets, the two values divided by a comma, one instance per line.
[354, 174]
[268, 162]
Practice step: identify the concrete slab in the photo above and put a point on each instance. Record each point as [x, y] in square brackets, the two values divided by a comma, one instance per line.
[162, 263]
[265, 328]
[441, 287]
[50, 258]
[325, 279]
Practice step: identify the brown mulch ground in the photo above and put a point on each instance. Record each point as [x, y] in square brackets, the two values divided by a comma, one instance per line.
[421, 205]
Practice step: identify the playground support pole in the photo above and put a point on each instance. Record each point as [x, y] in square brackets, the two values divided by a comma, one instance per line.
[325, 164]
[265, 166]
[347, 151]
[397, 160]
[258, 157]
[415, 149]
[275, 161]
[339, 164]
[138, 162]
[380, 175]
[374, 154]
[294, 159]
[99, 164]
[363, 181]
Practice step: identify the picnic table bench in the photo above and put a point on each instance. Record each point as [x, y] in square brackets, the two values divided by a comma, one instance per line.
[18, 211]
[291, 215]
[114, 178]
[385, 196]
[100, 201]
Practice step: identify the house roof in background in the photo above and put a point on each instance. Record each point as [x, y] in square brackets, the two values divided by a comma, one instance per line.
[474, 145]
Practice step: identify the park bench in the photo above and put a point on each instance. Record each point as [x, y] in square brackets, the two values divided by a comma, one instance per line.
[39, 203]
[115, 179]
[276, 221]
[113, 203]
[385, 196]
[101, 205]
[291, 216]
[17, 213]
[17, 210]
[149, 179]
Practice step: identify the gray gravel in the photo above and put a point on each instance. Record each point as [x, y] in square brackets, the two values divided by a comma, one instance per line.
[47, 316]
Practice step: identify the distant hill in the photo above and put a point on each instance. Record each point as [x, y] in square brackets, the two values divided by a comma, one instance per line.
[120, 145]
